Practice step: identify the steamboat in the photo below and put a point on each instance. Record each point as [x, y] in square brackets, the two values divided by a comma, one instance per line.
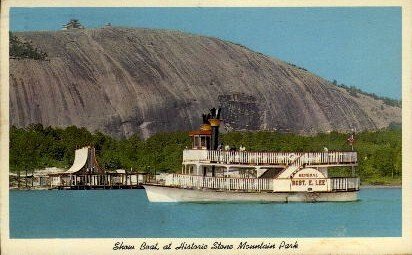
[211, 173]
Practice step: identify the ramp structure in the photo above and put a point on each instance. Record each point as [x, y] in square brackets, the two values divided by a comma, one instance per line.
[85, 162]
[85, 173]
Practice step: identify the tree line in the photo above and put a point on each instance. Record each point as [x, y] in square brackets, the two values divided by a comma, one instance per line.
[37, 147]
[19, 49]
[353, 91]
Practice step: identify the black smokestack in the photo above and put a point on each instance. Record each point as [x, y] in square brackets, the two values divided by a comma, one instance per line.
[215, 123]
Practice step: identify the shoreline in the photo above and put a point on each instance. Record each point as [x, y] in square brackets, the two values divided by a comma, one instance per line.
[380, 186]
[366, 186]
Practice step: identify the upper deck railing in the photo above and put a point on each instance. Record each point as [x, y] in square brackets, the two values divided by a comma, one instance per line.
[269, 158]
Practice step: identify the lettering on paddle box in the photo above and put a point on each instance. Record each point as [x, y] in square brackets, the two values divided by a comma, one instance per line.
[313, 182]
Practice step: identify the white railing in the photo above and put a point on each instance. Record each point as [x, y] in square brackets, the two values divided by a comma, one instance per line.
[269, 158]
[343, 184]
[242, 184]
[260, 184]
[294, 167]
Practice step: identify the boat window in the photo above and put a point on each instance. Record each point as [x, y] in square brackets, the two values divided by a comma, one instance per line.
[195, 141]
[203, 141]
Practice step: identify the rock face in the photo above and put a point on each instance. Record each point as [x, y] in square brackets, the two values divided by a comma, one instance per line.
[123, 81]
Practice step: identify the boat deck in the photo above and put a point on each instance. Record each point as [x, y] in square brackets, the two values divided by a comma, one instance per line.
[268, 159]
[263, 184]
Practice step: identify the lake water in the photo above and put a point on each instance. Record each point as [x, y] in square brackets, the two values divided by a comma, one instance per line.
[127, 213]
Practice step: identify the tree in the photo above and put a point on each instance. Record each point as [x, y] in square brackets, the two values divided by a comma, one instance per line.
[22, 49]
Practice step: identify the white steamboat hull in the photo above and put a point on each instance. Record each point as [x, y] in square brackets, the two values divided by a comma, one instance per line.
[171, 194]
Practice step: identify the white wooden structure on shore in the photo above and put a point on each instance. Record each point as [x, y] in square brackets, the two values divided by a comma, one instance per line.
[85, 173]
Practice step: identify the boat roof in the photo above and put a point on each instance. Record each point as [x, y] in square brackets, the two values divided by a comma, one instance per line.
[200, 132]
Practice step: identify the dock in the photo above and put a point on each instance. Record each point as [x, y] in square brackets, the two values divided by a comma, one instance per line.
[84, 174]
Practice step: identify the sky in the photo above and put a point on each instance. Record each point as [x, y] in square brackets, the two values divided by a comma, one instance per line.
[357, 46]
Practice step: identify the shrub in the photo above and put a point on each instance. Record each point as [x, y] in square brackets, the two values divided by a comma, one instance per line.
[19, 49]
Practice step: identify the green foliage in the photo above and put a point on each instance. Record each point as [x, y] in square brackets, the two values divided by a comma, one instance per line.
[354, 91]
[21, 49]
[301, 68]
[379, 152]
[37, 147]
